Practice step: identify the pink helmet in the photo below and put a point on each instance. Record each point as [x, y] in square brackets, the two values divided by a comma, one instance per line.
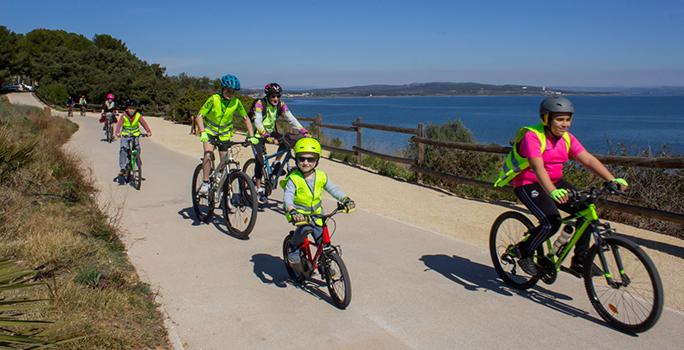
[110, 96]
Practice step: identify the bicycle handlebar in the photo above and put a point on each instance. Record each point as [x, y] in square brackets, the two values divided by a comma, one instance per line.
[593, 194]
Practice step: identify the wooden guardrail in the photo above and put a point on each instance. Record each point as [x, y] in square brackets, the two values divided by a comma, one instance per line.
[417, 164]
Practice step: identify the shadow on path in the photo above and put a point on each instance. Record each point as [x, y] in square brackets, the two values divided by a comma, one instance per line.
[474, 276]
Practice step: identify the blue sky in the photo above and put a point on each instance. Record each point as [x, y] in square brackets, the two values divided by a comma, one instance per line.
[307, 43]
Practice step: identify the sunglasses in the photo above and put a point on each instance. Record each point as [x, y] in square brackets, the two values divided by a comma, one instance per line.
[272, 96]
[307, 159]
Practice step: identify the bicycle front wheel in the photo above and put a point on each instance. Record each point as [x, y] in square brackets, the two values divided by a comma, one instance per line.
[337, 279]
[509, 229]
[239, 204]
[108, 133]
[629, 293]
[137, 174]
[202, 204]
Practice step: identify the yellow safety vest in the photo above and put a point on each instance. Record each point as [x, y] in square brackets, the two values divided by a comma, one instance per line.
[514, 163]
[131, 128]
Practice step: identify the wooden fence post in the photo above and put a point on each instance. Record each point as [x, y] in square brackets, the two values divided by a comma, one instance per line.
[420, 160]
[359, 142]
[318, 120]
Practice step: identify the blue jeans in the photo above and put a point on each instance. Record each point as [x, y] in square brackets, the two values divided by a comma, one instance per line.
[123, 152]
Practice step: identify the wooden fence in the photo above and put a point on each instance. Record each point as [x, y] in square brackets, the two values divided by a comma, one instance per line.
[417, 165]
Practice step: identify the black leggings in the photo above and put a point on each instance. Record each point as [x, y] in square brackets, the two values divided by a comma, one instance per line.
[259, 150]
[545, 209]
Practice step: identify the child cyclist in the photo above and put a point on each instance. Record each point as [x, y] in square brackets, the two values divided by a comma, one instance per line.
[535, 165]
[303, 189]
[128, 128]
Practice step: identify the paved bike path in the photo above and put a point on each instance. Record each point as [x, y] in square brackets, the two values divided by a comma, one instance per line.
[412, 288]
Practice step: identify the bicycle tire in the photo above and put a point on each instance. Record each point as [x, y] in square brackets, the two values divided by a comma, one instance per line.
[240, 209]
[337, 277]
[614, 309]
[201, 205]
[108, 132]
[509, 229]
[250, 168]
[137, 174]
[297, 277]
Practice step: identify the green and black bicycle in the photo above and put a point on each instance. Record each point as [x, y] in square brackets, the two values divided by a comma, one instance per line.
[133, 175]
[620, 279]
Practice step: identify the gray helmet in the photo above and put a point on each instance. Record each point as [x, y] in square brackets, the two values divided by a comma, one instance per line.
[555, 104]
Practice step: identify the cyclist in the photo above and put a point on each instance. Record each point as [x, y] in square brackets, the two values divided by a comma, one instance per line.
[303, 190]
[217, 112]
[128, 128]
[109, 111]
[538, 154]
[265, 113]
[83, 104]
[70, 103]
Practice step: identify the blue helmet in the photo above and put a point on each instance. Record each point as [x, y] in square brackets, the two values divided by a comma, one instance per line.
[230, 81]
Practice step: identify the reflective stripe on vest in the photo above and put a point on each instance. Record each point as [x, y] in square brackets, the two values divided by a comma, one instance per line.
[131, 128]
[514, 163]
[218, 123]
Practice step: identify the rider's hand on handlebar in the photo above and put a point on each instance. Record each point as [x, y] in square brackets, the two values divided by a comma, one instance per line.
[253, 140]
[347, 205]
[298, 218]
[620, 183]
[204, 137]
[559, 195]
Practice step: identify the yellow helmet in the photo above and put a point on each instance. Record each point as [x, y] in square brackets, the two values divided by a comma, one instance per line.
[307, 145]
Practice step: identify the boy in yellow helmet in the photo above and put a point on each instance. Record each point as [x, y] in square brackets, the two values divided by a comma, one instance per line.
[303, 189]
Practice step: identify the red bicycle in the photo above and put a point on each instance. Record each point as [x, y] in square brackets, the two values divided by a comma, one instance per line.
[327, 260]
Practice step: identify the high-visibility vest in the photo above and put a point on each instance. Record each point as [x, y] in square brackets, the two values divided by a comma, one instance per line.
[514, 163]
[219, 122]
[131, 128]
[307, 201]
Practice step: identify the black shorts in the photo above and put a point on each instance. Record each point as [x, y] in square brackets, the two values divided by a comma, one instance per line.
[222, 146]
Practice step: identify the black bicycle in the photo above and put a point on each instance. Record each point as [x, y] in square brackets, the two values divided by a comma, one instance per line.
[229, 189]
[109, 126]
[270, 173]
[620, 279]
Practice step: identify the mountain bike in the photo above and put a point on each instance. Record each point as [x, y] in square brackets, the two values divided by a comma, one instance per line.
[133, 175]
[229, 189]
[327, 260]
[620, 279]
[83, 110]
[269, 176]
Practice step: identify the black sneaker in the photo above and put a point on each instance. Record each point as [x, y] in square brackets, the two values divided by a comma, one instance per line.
[578, 270]
[528, 265]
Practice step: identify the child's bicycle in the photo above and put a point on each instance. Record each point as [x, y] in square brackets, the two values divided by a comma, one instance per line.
[327, 260]
[270, 175]
[229, 189]
[621, 281]
[133, 175]
[83, 110]
[108, 126]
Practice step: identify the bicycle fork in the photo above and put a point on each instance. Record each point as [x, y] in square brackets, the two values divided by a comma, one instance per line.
[602, 248]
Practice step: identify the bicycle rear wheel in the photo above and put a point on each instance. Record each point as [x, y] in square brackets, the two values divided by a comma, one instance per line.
[202, 204]
[239, 204]
[509, 229]
[629, 293]
[287, 248]
[337, 279]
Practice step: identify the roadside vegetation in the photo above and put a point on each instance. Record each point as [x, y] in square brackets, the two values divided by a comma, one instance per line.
[50, 222]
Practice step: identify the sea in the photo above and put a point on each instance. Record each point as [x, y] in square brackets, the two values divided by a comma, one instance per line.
[633, 124]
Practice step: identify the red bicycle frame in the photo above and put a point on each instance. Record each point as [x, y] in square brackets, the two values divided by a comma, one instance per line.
[306, 245]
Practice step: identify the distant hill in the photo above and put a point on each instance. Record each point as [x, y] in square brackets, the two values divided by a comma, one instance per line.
[429, 89]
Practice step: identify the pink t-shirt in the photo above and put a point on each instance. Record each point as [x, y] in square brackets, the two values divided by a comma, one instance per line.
[554, 156]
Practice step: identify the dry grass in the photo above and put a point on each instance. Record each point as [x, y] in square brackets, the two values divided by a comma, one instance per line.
[49, 219]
